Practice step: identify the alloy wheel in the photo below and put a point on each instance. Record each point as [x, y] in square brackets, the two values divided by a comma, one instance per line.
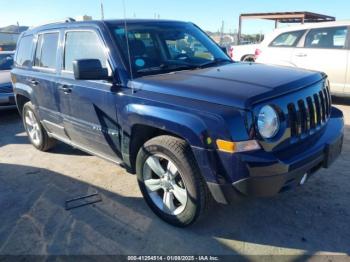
[164, 184]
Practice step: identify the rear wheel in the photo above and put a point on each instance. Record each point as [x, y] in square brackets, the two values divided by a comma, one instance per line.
[35, 131]
[170, 181]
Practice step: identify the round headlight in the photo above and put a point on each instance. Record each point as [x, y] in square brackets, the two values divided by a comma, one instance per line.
[268, 122]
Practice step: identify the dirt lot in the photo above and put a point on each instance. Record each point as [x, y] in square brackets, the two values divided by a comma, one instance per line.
[314, 218]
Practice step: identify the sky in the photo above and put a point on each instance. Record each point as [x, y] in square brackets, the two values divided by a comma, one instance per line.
[208, 14]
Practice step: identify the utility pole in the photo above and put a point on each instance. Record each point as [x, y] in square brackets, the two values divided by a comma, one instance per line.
[102, 11]
[222, 32]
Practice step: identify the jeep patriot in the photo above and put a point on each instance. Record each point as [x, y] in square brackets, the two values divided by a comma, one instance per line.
[165, 101]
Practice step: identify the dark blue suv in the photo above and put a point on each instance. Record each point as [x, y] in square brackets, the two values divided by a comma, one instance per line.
[162, 99]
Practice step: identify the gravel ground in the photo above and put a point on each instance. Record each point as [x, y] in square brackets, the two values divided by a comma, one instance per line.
[313, 219]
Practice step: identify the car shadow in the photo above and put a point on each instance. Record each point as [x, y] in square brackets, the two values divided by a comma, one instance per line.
[312, 218]
[12, 131]
[36, 222]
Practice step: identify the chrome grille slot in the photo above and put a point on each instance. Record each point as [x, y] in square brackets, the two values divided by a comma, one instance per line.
[312, 112]
[318, 109]
[293, 123]
[323, 106]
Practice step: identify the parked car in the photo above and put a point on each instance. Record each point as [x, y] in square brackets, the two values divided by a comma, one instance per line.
[321, 46]
[191, 128]
[7, 100]
[243, 53]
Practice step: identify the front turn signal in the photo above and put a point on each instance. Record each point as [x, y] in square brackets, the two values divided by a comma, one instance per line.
[234, 147]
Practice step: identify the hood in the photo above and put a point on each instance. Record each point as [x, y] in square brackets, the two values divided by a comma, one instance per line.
[239, 85]
[5, 77]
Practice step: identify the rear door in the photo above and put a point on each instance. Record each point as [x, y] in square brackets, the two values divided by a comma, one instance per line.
[91, 121]
[43, 80]
[325, 50]
[281, 49]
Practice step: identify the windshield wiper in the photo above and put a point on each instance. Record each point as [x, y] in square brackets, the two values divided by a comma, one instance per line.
[165, 67]
[215, 62]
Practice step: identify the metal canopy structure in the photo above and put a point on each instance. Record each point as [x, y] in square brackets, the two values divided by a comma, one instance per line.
[285, 17]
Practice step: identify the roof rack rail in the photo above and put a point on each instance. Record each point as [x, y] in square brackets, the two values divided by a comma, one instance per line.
[69, 20]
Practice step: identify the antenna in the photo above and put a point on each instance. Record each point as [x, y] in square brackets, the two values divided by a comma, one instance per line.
[102, 11]
[128, 47]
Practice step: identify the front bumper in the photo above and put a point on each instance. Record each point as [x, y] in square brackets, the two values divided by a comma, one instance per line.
[267, 174]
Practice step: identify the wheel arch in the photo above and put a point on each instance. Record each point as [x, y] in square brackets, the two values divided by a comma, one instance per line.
[142, 123]
[21, 100]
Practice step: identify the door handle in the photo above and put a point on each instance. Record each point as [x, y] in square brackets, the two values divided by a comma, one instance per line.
[67, 89]
[33, 82]
[301, 55]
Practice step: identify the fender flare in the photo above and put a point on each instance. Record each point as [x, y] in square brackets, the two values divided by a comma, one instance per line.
[188, 126]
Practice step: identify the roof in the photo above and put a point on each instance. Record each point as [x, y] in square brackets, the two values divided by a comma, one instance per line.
[273, 34]
[290, 17]
[313, 25]
[58, 25]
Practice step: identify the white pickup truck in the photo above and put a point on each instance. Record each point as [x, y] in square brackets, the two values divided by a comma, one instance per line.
[244, 53]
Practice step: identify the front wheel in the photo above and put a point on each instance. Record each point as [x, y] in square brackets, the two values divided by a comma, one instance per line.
[170, 180]
[35, 131]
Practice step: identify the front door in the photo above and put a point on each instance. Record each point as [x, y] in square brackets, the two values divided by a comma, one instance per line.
[91, 121]
[281, 49]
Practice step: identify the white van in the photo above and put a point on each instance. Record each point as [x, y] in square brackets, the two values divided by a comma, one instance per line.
[321, 46]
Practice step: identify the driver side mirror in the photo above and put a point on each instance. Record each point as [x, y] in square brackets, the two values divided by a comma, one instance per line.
[89, 69]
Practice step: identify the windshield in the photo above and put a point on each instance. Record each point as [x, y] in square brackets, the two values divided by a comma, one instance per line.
[6, 61]
[157, 48]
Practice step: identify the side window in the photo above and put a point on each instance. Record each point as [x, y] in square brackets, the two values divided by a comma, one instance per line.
[24, 52]
[289, 39]
[333, 38]
[45, 55]
[82, 45]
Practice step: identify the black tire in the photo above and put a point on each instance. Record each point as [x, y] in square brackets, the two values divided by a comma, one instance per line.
[179, 152]
[45, 142]
[248, 58]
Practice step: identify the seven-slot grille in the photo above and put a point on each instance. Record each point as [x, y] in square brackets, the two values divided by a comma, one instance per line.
[310, 113]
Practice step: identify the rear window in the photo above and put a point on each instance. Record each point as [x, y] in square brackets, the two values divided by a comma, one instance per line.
[288, 39]
[330, 38]
[45, 55]
[24, 52]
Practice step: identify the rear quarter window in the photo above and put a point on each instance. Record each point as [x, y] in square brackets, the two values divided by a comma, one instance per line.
[288, 39]
[24, 52]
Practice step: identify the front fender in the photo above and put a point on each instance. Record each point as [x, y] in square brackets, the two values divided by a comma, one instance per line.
[189, 127]
[183, 124]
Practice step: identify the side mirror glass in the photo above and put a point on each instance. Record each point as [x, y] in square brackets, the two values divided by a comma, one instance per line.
[89, 69]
